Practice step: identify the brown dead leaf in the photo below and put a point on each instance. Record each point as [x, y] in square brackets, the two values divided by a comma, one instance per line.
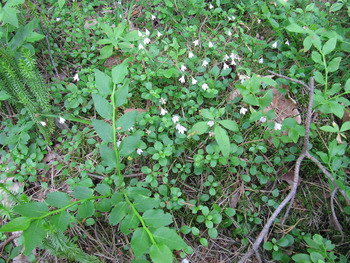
[289, 178]
[113, 60]
[138, 109]
[234, 200]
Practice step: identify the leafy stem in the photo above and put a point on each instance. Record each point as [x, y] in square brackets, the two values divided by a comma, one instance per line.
[326, 71]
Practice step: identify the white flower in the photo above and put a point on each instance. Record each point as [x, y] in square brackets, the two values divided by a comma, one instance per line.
[190, 55]
[162, 101]
[146, 41]
[259, 21]
[231, 18]
[225, 66]
[118, 143]
[211, 6]
[147, 32]
[243, 111]
[43, 123]
[76, 77]
[182, 79]
[196, 42]
[131, 128]
[210, 123]
[58, 19]
[226, 57]
[261, 60]
[61, 120]
[205, 86]
[148, 132]
[278, 126]
[183, 68]
[210, 44]
[229, 33]
[274, 45]
[181, 129]
[141, 46]
[163, 112]
[233, 56]
[140, 34]
[287, 42]
[153, 17]
[159, 34]
[211, 133]
[175, 119]
[139, 151]
[205, 63]
[263, 119]
[194, 81]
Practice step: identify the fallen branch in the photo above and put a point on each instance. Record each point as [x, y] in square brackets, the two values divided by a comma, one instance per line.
[335, 219]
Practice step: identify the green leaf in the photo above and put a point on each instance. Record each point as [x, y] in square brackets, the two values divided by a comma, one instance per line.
[336, 7]
[316, 41]
[284, 242]
[222, 140]
[140, 242]
[126, 121]
[61, 221]
[121, 94]
[169, 237]
[14, 2]
[206, 114]
[345, 126]
[334, 64]
[302, 258]
[103, 107]
[103, 82]
[129, 144]
[103, 129]
[106, 51]
[336, 109]
[251, 99]
[307, 43]
[33, 37]
[156, 218]
[215, 71]
[347, 85]
[230, 125]
[132, 36]
[213, 233]
[118, 213]
[108, 156]
[129, 222]
[17, 224]
[329, 46]
[82, 192]
[116, 198]
[9, 15]
[328, 129]
[316, 57]
[58, 199]
[266, 100]
[103, 189]
[316, 257]
[35, 209]
[143, 203]
[4, 95]
[119, 72]
[319, 77]
[268, 246]
[200, 128]
[86, 209]
[204, 242]
[161, 254]
[33, 236]
[61, 3]
[104, 205]
[295, 28]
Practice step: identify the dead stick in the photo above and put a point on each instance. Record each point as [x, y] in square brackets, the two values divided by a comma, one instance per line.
[335, 219]
[288, 78]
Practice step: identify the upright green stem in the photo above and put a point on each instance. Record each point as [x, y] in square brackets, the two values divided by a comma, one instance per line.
[326, 72]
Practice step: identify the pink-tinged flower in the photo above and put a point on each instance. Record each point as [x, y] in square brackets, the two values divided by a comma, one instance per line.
[194, 81]
[181, 129]
[175, 119]
[196, 42]
[148, 132]
[278, 126]
[76, 77]
[139, 151]
[274, 45]
[263, 119]
[43, 123]
[190, 55]
[163, 112]
[141, 46]
[226, 66]
[210, 123]
[243, 111]
[61, 120]
[210, 44]
[211, 134]
[146, 41]
[162, 101]
[159, 34]
[205, 63]
[205, 86]
[182, 79]
[183, 68]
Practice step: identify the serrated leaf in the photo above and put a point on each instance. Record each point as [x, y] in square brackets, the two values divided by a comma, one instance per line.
[82, 192]
[222, 140]
[143, 203]
[86, 209]
[58, 199]
[103, 82]
[103, 189]
[156, 218]
[329, 46]
[103, 129]
[140, 242]
[119, 72]
[334, 64]
[17, 224]
[161, 254]
[108, 156]
[60, 221]
[116, 198]
[35, 209]
[200, 127]
[169, 237]
[33, 236]
[126, 121]
[9, 15]
[102, 106]
[104, 205]
[230, 125]
[129, 222]
[118, 213]
[129, 144]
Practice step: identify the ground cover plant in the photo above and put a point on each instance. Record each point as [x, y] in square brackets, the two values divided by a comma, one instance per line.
[175, 131]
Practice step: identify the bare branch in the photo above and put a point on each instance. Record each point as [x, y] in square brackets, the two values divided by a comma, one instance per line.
[288, 78]
[335, 219]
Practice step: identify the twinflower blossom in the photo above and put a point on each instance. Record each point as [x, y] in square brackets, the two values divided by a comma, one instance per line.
[183, 68]
[205, 63]
[153, 17]
[211, 133]
[181, 129]
[226, 57]
[139, 32]
[175, 119]
[287, 42]
[190, 55]
[76, 77]
[196, 42]
[210, 123]
[61, 120]
[211, 6]
[58, 19]
[43, 123]
[139, 151]
[162, 101]
[146, 41]
[131, 128]
[225, 66]
[261, 60]
[274, 45]
[147, 32]
[263, 119]
[229, 33]
[163, 112]
[159, 34]
[205, 86]
[182, 79]
[278, 126]
[243, 111]
[141, 46]
[233, 18]
[194, 81]
[210, 44]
